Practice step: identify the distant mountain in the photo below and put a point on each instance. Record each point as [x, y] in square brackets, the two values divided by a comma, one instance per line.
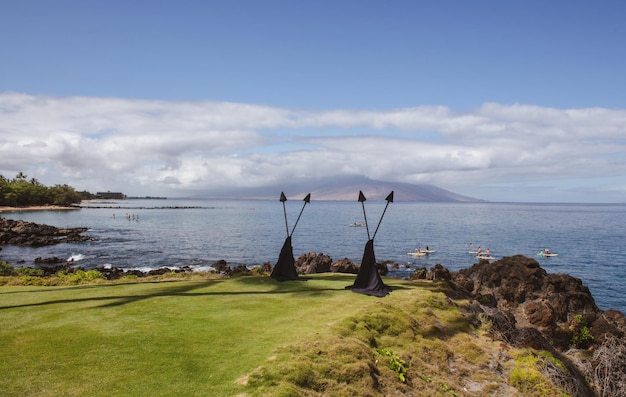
[378, 190]
[347, 188]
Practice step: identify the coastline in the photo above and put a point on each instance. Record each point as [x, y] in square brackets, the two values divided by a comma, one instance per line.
[200, 242]
[37, 208]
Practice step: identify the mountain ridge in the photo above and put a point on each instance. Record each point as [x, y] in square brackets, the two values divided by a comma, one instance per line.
[347, 189]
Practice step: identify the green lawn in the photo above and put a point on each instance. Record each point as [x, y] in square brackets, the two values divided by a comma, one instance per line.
[253, 336]
[183, 338]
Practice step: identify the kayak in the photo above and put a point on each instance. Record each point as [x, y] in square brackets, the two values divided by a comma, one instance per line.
[417, 253]
[548, 255]
[485, 257]
[429, 251]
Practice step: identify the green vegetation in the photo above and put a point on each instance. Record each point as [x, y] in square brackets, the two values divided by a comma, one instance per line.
[581, 335]
[6, 269]
[14, 276]
[396, 364]
[247, 336]
[19, 192]
[529, 376]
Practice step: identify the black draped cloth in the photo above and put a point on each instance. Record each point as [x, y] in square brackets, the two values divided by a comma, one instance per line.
[285, 268]
[368, 280]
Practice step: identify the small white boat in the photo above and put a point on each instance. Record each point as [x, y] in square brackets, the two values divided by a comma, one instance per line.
[547, 254]
[421, 253]
[488, 257]
[429, 251]
[358, 224]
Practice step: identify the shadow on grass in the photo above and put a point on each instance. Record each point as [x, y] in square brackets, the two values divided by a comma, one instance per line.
[274, 287]
[178, 290]
[186, 288]
[54, 288]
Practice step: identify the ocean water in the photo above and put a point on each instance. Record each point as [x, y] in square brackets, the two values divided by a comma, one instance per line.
[589, 238]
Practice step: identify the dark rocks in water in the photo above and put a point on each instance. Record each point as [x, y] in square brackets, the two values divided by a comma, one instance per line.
[18, 232]
[132, 272]
[344, 265]
[438, 273]
[158, 272]
[239, 270]
[115, 273]
[47, 261]
[383, 267]
[536, 303]
[220, 266]
[419, 274]
[311, 263]
[223, 267]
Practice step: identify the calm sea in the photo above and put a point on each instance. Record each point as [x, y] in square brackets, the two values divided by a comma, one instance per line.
[590, 239]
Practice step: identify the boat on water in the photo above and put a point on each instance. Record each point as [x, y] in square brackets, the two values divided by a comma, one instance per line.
[421, 252]
[546, 253]
[357, 224]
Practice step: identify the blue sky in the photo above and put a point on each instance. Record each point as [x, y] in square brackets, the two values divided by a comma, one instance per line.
[499, 100]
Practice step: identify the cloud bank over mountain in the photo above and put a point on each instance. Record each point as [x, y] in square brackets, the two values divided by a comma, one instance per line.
[192, 148]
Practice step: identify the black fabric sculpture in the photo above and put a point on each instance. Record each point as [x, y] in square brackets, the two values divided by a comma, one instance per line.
[368, 280]
[285, 268]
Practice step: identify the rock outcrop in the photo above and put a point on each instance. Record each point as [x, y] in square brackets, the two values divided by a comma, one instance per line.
[536, 309]
[344, 265]
[311, 263]
[224, 268]
[18, 232]
[436, 273]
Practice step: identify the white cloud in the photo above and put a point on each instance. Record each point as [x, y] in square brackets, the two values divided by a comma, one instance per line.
[159, 147]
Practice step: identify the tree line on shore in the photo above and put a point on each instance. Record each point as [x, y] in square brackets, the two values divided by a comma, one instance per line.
[21, 192]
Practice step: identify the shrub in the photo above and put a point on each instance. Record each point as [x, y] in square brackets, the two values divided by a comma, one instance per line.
[29, 271]
[32, 280]
[581, 335]
[6, 269]
[79, 276]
